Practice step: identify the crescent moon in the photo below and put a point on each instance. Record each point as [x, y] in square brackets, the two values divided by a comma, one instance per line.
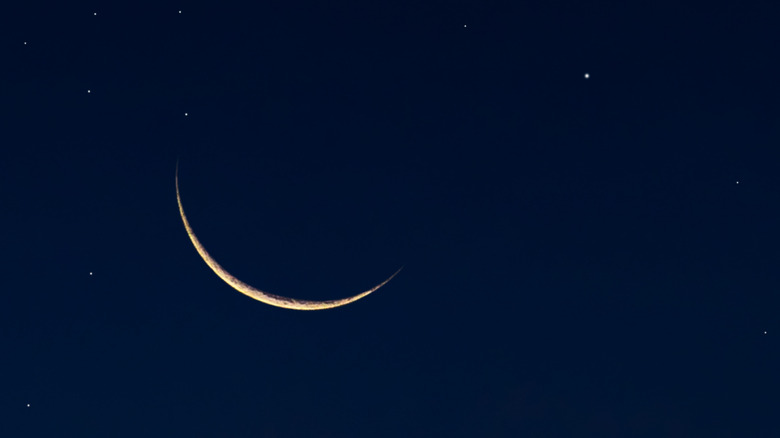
[257, 294]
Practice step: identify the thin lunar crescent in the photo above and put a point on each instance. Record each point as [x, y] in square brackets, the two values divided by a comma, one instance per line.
[265, 297]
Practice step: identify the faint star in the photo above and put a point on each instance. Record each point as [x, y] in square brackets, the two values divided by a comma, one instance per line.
[737, 182]
[90, 274]
[186, 114]
[180, 12]
[464, 25]
[94, 13]
[587, 75]
[89, 91]
[28, 405]
[25, 43]
[764, 331]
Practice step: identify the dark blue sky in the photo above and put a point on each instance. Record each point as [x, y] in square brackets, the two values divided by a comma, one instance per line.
[583, 256]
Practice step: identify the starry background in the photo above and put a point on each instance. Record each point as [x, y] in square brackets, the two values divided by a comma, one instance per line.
[583, 255]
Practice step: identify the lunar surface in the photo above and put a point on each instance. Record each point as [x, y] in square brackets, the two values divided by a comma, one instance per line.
[265, 297]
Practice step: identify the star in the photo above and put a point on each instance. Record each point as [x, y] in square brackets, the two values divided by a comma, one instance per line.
[186, 114]
[587, 75]
[90, 274]
[180, 12]
[94, 13]
[89, 91]
[737, 182]
[25, 43]
[464, 25]
[764, 331]
[28, 405]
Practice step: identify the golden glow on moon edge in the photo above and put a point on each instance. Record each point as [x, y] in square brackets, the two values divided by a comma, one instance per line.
[265, 297]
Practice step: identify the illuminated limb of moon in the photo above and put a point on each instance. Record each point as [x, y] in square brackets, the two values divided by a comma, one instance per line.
[268, 298]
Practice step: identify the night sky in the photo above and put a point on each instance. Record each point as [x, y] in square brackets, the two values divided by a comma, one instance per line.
[584, 199]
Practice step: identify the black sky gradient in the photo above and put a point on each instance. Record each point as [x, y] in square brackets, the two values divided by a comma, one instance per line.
[583, 257]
